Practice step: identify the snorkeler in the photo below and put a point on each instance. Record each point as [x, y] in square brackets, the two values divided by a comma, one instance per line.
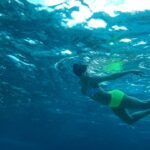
[117, 100]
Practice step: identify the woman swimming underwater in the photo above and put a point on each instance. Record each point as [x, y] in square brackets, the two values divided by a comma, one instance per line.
[117, 100]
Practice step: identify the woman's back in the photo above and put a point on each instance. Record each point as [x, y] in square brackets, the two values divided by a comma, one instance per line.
[93, 90]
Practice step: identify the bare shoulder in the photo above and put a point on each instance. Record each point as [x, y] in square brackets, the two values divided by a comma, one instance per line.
[97, 79]
[90, 79]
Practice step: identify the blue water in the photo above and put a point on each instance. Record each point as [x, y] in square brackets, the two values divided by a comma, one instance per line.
[41, 106]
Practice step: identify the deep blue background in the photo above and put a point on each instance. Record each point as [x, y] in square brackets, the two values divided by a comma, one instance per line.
[41, 107]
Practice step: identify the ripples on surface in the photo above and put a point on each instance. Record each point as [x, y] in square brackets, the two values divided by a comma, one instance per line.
[38, 44]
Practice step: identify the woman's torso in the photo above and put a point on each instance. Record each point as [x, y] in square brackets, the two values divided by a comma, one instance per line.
[94, 91]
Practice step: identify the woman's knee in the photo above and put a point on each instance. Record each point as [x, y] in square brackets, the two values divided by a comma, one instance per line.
[130, 121]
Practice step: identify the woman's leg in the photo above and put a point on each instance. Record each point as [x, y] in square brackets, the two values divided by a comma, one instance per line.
[130, 119]
[134, 103]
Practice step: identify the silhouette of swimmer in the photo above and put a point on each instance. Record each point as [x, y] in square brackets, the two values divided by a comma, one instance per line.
[117, 100]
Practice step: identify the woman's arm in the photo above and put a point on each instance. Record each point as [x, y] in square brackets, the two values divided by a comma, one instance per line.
[97, 79]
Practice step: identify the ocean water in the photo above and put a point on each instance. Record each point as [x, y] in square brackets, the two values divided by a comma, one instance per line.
[41, 106]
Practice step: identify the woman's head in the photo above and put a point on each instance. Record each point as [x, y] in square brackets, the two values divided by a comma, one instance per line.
[79, 69]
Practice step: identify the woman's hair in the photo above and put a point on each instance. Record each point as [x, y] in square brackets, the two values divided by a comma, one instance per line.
[79, 69]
